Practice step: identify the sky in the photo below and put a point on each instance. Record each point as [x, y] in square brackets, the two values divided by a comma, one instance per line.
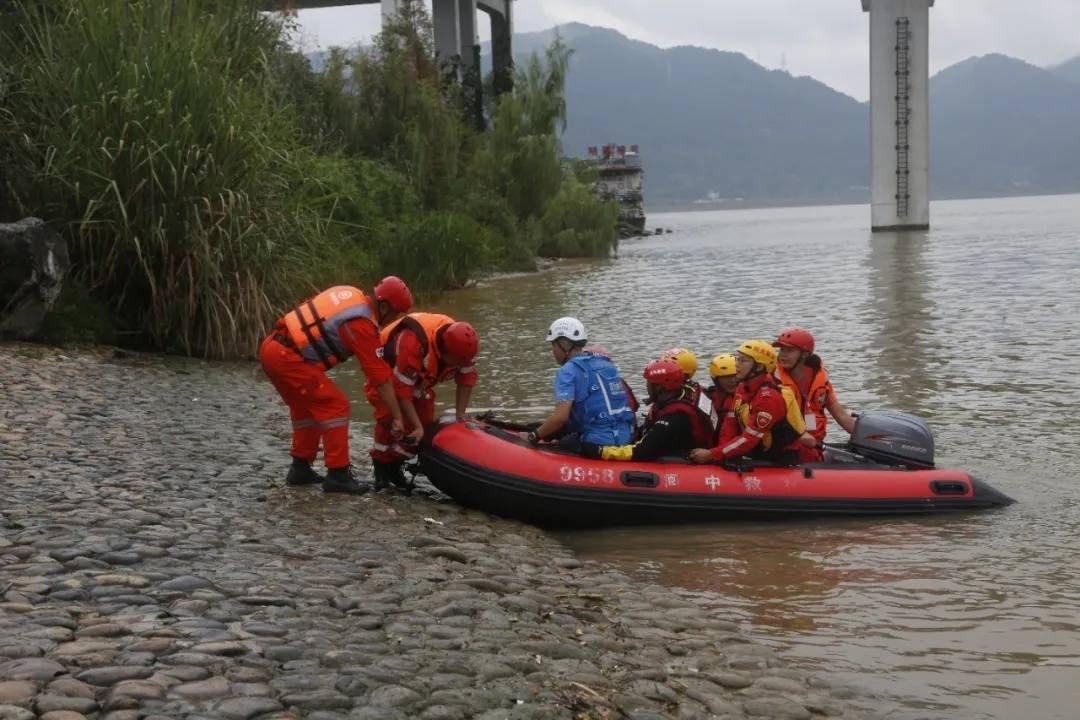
[826, 39]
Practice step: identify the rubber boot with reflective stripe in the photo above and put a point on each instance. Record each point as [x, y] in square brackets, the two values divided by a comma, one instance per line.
[301, 473]
[342, 480]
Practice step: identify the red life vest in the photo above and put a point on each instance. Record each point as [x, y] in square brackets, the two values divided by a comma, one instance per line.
[426, 327]
[313, 326]
[695, 405]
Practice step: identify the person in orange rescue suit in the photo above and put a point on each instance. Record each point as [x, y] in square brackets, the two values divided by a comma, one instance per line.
[801, 370]
[722, 392]
[681, 417]
[318, 334]
[767, 423]
[422, 349]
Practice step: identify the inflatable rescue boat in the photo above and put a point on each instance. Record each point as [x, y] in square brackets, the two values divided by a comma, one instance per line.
[886, 469]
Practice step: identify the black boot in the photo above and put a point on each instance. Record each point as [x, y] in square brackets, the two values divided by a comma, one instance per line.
[397, 476]
[391, 473]
[301, 473]
[342, 480]
[382, 477]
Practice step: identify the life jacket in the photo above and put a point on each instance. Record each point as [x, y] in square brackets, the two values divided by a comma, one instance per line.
[695, 405]
[428, 329]
[813, 405]
[604, 417]
[723, 405]
[313, 326]
[781, 442]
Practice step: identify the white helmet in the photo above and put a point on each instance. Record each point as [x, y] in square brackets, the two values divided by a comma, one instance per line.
[569, 328]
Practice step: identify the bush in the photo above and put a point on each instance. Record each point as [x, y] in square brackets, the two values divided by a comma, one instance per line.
[150, 135]
[439, 250]
[205, 178]
[575, 224]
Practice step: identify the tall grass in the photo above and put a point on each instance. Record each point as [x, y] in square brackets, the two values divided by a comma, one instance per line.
[206, 178]
[147, 127]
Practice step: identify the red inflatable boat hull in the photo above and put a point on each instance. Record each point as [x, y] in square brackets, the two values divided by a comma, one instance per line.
[489, 469]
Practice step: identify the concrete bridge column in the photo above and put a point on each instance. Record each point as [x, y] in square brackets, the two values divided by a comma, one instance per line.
[446, 19]
[500, 13]
[899, 124]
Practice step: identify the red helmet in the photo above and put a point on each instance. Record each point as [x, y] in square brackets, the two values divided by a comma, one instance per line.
[664, 373]
[395, 293]
[797, 338]
[460, 339]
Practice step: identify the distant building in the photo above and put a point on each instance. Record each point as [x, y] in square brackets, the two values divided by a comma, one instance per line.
[619, 178]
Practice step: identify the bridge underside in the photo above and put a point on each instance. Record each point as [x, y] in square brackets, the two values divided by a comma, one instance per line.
[456, 40]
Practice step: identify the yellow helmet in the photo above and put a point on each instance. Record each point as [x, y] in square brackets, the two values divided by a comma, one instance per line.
[762, 353]
[684, 358]
[722, 366]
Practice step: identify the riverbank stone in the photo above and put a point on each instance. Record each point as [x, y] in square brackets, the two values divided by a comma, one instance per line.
[154, 567]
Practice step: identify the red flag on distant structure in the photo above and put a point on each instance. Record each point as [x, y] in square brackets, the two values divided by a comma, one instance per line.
[592, 150]
[622, 149]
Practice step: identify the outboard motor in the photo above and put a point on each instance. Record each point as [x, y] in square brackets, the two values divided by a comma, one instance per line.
[893, 437]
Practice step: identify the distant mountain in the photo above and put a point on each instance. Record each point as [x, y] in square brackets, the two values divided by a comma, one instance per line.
[998, 124]
[710, 123]
[1070, 69]
[718, 125]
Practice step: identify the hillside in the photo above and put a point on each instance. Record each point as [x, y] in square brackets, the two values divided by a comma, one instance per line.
[711, 121]
[998, 124]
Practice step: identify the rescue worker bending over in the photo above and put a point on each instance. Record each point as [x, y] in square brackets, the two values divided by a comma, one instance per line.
[681, 417]
[422, 349]
[687, 361]
[591, 406]
[318, 334]
[722, 392]
[767, 423]
[802, 371]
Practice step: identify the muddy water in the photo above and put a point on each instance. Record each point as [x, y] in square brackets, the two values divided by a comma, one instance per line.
[973, 325]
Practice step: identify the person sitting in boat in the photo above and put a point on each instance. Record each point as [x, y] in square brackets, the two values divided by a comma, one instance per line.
[631, 398]
[724, 385]
[767, 423]
[591, 406]
[686, 360]
[681, 416]
[802, 371]
[422, 349]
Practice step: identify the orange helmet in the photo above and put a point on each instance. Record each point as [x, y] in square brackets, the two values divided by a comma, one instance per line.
[461, 340]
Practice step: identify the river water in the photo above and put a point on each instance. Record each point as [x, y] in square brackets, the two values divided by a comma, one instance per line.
[971, 325]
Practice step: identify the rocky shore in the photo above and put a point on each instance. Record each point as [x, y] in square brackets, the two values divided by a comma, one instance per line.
[153, 565]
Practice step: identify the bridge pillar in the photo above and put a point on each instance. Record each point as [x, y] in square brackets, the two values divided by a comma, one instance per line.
[500, 13]
[446, 19]
[899, 124]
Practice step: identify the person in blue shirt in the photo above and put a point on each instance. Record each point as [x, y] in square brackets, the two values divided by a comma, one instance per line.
[592, 408]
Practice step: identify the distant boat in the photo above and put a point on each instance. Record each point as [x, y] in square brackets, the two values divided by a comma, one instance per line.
[619, 179]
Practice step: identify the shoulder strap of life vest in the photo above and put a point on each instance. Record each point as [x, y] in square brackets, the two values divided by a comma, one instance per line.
[390, 343]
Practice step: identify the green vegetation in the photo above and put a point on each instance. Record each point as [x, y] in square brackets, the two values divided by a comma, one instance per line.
[205, 177]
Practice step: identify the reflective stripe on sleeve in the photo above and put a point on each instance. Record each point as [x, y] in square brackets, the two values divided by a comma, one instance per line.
[733, 445]
[404, 378]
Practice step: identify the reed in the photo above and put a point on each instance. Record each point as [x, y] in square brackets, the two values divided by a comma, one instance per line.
[145, 127]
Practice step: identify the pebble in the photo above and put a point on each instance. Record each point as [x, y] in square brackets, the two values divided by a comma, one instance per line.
[154, 567]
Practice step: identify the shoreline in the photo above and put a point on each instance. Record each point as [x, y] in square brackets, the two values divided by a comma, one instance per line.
[152, 564]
